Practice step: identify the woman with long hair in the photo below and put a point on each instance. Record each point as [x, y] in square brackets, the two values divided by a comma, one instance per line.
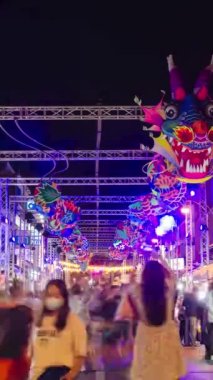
[15, 331]
[157, 351]
[60, 344]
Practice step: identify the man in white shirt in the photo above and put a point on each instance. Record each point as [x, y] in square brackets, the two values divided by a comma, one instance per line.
[209, 342]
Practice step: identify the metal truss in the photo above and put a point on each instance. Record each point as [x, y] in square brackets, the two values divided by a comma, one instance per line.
[189, 240]
[4, 228]
[106, 229]
[76, 155]
[51, 248]
[204, 233]
[84, 198]
[81, 181]
[11, 266]
[106, 235]
[70, 113]
[54, 242]
[101, 240]
[104, 212]
[103, 222]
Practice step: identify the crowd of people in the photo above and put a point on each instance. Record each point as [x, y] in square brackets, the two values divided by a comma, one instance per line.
[53, 335]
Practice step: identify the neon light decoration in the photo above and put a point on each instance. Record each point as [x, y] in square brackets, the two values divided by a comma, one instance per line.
[184, 126]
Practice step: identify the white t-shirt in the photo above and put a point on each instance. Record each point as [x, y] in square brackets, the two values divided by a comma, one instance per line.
[58, 348]
[79, 307]
[210, 306]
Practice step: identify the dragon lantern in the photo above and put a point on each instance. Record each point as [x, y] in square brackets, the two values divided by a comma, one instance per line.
[185, 126]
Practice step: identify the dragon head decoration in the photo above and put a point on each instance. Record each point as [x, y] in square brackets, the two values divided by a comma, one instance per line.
[185, 126]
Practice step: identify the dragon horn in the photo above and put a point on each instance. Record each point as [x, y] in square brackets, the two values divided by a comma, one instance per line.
[176, 83]
[201, 88]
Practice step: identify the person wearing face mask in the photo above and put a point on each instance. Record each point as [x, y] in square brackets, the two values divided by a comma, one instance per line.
[60, 344]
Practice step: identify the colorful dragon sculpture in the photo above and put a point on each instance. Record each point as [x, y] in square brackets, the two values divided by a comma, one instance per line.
[130, 236]
[166, 195]
[62, 216]
[185, 126]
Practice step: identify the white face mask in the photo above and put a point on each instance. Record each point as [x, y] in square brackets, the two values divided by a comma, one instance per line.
[53, 303]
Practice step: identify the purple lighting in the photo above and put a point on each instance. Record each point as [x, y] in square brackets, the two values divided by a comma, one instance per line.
[185, 210]
[167, 223]
[159, 231]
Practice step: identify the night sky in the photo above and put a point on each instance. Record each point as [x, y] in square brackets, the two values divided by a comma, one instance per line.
[66, 52]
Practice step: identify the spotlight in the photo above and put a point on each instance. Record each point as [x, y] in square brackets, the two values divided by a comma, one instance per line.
[23, 245]
[167, 223]
[159, 231]
[155, 241]
[147, 249]
[192, 193]
[185, 210]
[12, 239]
[201, 295]
[30, 205]
[203, 227]
[4, 220]
[180, 286]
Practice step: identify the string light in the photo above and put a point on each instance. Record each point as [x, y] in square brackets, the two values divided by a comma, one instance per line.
[95, 268]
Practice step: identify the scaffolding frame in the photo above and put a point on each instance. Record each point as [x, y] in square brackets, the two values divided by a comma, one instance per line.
[84, 198]
[189, 240]
[85, 113]
[76, 155]
[77, 181]
[4, 227]
[204, 226]
[70, 113]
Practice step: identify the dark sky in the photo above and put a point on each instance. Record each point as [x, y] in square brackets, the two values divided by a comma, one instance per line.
[66, 52]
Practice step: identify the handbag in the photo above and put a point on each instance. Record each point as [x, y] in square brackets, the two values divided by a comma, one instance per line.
[54, 373]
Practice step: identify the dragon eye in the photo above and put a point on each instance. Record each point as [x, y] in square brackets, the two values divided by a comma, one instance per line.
[171, 112]
[209, 110]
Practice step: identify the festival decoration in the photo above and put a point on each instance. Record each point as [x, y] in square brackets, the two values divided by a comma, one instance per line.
[62, 214]
[64, 219]
[46, 193]
[167, 192]
[129, 237]
[119, 253]
[184, 126]
[75, 268]
[76, 248]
